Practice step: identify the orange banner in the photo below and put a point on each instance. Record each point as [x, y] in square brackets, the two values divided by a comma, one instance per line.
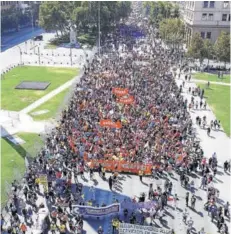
[122, 166]
[110, 124]
[120, 91]
[128, 100]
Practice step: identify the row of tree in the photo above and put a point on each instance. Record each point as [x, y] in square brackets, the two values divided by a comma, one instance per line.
[204, 49]
[160, 10]
[15, 17]
[82, 15]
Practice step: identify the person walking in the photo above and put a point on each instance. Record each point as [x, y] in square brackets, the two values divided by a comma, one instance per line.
[187, 198]
[193, 202]
[110, 182]
[23, 228]
[141, 175]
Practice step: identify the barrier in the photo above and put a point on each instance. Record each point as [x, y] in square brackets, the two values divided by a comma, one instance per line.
[96, 211]
[125, 228]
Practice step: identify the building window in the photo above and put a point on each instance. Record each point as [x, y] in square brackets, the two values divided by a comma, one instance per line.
[210, 17]
[225, 4]
[204, 16]
[208, 35]
[224, 17]
[212, 4]
[203, 35]
[206, 4]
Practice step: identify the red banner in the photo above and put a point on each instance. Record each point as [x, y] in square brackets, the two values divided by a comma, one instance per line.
[110, 124]
[120, 91]
[128, 100]
[122, 166]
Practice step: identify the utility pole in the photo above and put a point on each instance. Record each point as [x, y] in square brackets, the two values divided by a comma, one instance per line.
[39, 54]
[99, 27]
[20, 50]
[71, 55]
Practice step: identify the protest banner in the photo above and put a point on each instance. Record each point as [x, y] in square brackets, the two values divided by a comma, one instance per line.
[126, 228]
[127, 100]
[43, 181]
[110, 124]
[96, 211]
[120, 91]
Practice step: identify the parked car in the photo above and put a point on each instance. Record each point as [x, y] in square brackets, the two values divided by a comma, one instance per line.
[38, 38]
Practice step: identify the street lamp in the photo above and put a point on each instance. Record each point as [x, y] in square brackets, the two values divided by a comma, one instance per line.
[20, 50]
[99, 27]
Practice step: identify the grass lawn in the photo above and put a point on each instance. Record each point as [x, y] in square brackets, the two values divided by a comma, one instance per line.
[211, 77]
[50, 46]
[16, 100]
[17, 153]
[218, 98]
[53, 105]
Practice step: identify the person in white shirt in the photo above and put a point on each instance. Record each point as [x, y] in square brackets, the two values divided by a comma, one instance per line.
[202, 231]
[185, 216]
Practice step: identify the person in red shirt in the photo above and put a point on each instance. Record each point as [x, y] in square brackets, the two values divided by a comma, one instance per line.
[23, 228]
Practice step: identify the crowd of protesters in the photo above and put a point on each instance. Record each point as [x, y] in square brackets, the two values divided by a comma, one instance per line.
[156, 129]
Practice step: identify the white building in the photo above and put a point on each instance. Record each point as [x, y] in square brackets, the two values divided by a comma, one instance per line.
[208, 18]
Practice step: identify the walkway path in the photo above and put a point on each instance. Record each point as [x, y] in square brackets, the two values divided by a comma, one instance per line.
[220, 143]
[211, 82]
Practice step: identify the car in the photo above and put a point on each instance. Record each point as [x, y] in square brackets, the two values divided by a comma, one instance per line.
[38, 38]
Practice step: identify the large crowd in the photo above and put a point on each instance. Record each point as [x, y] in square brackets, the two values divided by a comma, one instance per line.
[156, 129]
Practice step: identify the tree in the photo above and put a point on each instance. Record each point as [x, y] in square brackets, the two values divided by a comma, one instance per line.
[208, 49]
[172, 31]
[222, 47]
[83, 15]
[196, 49]
[159, 10]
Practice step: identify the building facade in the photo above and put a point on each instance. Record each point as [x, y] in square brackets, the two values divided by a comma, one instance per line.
[208, 18]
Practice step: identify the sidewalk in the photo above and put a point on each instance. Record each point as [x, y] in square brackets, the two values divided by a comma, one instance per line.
[219, 142]
[211, 82]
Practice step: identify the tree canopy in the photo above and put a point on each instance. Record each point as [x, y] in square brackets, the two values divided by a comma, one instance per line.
[201, 49]
[59, 16]
[172, 31]
[222, 47]
[159, 10]
[14, 17]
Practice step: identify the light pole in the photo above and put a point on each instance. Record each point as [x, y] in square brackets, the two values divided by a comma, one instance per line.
[20, 50]
[99, 27]
[71, 55]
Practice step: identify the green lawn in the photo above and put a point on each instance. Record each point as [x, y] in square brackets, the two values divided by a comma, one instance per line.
[218, 98]
[12, 158]
[211, 77]
[50, 46]
[16, 100]
[53, 105]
